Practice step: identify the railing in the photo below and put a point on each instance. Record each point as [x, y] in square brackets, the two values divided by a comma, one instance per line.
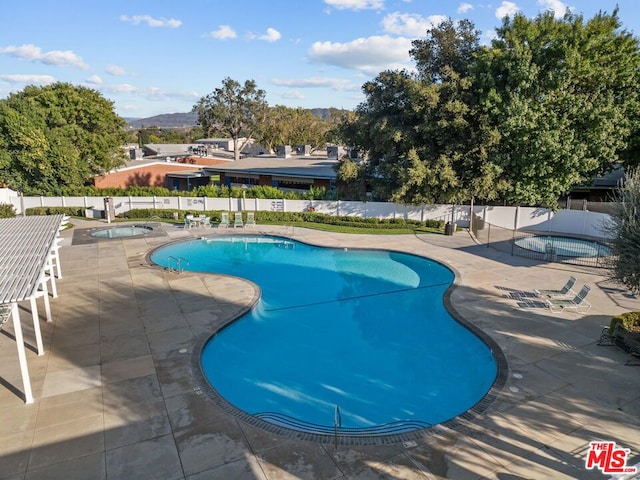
[175, 264]
[337, 423]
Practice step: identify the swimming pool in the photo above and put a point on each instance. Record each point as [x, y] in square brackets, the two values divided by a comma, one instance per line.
[122, 232]
[362, 332]
[564, 246]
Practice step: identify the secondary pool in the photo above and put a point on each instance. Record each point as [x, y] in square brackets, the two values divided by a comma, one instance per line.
[564, 246]
[122, 232]
[357, 337]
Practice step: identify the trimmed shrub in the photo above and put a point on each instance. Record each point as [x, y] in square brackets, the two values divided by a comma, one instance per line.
[71, 211]
[629, 320]
[7, 210]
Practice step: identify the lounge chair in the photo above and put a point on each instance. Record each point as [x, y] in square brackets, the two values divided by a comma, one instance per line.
[564, 291]
[251, 221]
[224, 220]
[237, 220]
[577, 303]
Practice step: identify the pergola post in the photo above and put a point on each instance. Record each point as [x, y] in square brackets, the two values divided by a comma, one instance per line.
[36, 325]
[22, 356]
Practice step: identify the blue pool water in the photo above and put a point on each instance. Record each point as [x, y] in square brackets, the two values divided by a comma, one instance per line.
[565, 246]
[361, 329]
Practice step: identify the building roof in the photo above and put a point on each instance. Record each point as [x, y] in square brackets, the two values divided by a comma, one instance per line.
[188, 174]
[294, 166]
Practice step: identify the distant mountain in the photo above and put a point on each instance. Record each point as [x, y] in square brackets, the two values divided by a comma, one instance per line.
[187, 120]
[166, 120]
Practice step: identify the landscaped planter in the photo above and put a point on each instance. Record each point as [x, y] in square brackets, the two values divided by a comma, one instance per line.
[627, 340]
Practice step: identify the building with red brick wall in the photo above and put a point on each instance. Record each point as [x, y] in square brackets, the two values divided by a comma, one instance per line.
[153, 173]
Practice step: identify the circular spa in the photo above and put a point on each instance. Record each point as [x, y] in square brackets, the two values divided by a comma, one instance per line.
[354, 339]
[563, 246]
[122, 232]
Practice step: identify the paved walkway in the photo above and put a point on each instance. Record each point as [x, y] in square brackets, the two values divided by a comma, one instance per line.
[116, 398]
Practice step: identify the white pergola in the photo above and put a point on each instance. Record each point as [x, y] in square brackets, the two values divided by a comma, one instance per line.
[29, 259]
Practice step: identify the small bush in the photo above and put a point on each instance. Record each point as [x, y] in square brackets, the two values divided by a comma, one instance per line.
[7, 210]
[71, 211]
[629, 320]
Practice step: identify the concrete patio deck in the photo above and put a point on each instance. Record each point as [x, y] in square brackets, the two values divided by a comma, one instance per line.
[116, 398]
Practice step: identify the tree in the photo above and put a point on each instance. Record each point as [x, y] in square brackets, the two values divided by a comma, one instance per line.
[58, 136]
[560, 91]
[238, 110]
[625, 227]
[424, 136]
[293, 126]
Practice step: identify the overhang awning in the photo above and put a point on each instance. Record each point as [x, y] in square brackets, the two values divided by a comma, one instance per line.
[28, 247]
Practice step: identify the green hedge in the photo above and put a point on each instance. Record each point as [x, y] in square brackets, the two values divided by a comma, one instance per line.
[309, 217]
[169, 214]
[212, 191]
[629, 320]
[7, 210]
[72, 211]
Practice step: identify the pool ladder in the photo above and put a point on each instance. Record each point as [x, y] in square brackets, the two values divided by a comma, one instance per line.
[337, 423]
[176, 264]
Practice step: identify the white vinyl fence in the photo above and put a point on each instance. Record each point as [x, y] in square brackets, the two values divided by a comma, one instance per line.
[574, 222]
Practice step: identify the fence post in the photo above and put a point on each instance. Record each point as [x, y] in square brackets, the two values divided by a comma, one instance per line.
[154, 202]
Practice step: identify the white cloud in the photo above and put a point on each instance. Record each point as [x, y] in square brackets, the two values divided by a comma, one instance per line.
[464, 8]
[29, 79]
[371, 54]
[338, 84]
[94, 80]
[151, 21]
[115, 70]
[272, 35]
[150, 93]
[120, 88]
[556, 6]
[507, 8]
[292, 95]
[356, 4]
[223, 32]
[409, 24]
[58, 58]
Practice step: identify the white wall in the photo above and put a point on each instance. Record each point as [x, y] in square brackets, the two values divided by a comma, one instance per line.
[576, 222]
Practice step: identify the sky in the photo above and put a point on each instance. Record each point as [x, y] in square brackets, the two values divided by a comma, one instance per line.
[161, 56]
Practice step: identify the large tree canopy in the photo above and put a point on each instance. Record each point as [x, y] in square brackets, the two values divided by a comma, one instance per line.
[424, 137]
[561, 92]
[238, 110]
[58, 136]
[549, 104]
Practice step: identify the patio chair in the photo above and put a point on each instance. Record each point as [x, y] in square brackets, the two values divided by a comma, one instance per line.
[237, 220]
[251, 220]
[204, 221]
[564, 291]
[224, 220]
[578, 303]
[189, 221]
